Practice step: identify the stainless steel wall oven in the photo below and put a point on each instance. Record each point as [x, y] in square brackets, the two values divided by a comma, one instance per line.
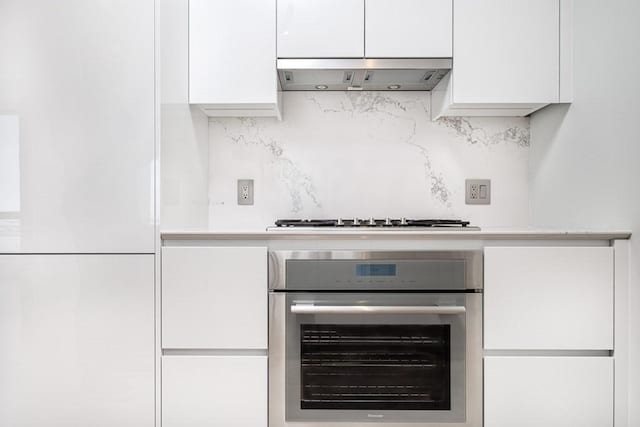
[381, 337]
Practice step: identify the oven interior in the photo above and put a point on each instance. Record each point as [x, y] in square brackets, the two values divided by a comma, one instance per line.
[375, 367]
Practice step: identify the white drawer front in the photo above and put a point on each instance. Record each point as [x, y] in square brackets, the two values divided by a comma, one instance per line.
[547, 298]
[214, 298]
[548, 391]
[220, 391]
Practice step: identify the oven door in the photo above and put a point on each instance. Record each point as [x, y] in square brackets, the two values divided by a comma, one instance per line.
[390, 358]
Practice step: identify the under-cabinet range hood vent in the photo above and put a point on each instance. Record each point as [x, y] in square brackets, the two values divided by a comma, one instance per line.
[361, 74]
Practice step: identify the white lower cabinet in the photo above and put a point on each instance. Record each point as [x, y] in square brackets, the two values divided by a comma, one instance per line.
[214, 298]
[220, 391]
[548, 392]
[77, 340]
[548, 298]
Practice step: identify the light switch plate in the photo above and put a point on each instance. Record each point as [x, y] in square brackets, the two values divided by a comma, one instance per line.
[478, 191]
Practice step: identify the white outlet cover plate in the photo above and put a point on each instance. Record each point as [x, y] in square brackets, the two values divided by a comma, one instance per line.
[245, 192]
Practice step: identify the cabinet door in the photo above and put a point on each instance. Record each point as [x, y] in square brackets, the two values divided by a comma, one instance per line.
[77, 116]
[506, 51]
[548, 391]
[232, 52]
[214, 298]
[548, 298]
[320, 28]
[214, 391]
[408, 28]
[77, 338]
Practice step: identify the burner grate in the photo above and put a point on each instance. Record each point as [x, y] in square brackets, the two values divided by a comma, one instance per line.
[372, 222]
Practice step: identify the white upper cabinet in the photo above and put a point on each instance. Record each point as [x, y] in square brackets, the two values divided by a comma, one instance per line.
[507, 57]
[232, 57]
[548, 298]
[77, 126]
[359, 28]
[321, 28]
[214, 298]
[506, 51]
[408, 28]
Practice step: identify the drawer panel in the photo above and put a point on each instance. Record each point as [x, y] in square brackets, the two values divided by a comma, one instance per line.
[547, 298]
[548, 391]
[214, 298]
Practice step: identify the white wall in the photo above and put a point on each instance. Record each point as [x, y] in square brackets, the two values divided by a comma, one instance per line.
[346, 154]
[183, 129]
[584, 168]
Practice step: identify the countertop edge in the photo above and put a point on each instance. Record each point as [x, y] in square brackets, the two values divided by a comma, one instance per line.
[395, 235]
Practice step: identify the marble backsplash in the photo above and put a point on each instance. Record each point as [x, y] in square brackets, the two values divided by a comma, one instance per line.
[346, 154]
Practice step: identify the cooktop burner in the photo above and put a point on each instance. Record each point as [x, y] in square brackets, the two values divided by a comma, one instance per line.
[381, 224]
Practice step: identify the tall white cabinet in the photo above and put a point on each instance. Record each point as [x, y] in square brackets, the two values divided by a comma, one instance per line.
[77, 338]
[77, 213]
[77, 111]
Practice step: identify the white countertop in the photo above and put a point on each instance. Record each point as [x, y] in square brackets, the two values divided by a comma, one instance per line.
[369, 234]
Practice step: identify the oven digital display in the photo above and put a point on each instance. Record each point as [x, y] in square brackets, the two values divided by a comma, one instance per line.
[367, 270]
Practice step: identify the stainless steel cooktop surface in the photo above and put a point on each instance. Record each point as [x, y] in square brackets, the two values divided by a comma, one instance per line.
[373, 224]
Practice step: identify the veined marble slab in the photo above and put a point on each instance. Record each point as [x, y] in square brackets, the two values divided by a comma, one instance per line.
[363, 154]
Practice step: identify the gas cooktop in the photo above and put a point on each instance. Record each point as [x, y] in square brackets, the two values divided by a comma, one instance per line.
[375, 224]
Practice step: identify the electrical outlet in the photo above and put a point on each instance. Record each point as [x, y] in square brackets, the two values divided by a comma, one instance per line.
[245, 192]
[478, 191]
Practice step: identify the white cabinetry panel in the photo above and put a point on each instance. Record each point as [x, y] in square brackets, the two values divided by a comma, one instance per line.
[232, 57]
[506, 51]
[77, 338]
[548, 391]
[548, 298]
[507, 58]
[408, 28]
[78, 77]
[214, 298]
[214, 391]
[320, 28]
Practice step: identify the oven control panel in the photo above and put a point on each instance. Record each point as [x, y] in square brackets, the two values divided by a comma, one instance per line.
[387, 275]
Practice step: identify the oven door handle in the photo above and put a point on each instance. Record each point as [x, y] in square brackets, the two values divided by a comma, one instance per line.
[375, 309]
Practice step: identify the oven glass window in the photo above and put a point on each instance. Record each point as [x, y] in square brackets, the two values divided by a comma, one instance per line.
[375, 367]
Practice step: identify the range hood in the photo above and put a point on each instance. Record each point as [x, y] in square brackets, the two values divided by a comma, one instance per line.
[361, 74]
